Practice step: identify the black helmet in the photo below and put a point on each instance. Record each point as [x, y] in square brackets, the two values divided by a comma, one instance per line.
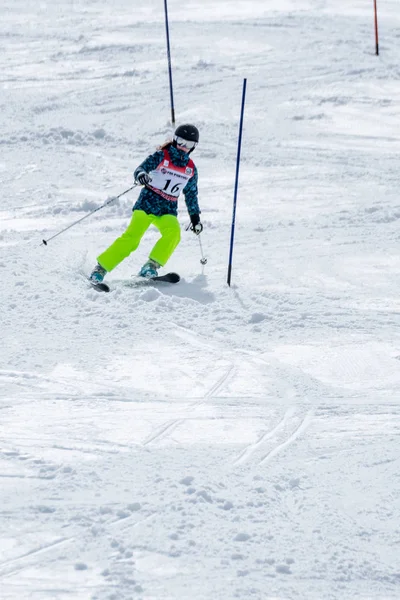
[187, 132]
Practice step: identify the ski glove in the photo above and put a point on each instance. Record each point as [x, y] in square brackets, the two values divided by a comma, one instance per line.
[143, 178]
[196, 226]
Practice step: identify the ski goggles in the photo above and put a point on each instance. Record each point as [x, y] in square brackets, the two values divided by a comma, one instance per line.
[185, 143]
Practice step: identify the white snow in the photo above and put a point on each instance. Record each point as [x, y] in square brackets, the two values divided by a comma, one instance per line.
[201, 442]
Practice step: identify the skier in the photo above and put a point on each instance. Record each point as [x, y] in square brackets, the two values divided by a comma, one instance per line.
[164, 175]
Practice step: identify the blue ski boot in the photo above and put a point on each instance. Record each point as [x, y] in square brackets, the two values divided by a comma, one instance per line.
[149, 269]
[97, 275]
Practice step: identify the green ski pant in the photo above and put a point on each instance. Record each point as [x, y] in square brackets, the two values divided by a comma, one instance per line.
[168, 226]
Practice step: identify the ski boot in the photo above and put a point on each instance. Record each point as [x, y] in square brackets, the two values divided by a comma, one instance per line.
[97, 275]
[149, 269]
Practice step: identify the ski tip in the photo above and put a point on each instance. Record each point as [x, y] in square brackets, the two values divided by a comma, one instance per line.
[100, 287]
[167, 278]
[174, 277]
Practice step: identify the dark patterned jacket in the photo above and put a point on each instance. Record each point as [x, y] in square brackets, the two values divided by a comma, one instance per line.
[154, 204]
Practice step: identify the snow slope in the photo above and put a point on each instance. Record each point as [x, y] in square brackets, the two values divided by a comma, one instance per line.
[198, 442]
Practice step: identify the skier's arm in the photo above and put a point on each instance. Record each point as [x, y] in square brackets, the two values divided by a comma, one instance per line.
[141, 174]
[191, 195]
[191, 198]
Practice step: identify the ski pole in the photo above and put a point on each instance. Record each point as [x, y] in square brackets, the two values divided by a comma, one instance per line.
[44, 242]
[203, 260]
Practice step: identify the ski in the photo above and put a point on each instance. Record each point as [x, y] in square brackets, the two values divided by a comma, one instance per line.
[167, 278]
[100, 287]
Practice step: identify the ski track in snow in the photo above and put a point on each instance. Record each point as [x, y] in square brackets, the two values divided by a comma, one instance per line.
[197, 441]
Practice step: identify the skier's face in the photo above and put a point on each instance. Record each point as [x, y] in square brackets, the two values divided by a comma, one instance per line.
[184, 145]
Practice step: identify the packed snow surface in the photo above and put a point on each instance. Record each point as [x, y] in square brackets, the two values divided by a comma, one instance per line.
[201, 441]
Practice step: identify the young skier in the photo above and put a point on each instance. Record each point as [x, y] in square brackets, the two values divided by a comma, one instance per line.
[164, 175]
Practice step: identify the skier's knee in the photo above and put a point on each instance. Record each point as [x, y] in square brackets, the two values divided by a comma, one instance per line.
[173, 234]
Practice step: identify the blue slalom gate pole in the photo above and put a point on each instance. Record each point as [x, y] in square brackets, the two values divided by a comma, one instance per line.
[236, 182]
[171, 91]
